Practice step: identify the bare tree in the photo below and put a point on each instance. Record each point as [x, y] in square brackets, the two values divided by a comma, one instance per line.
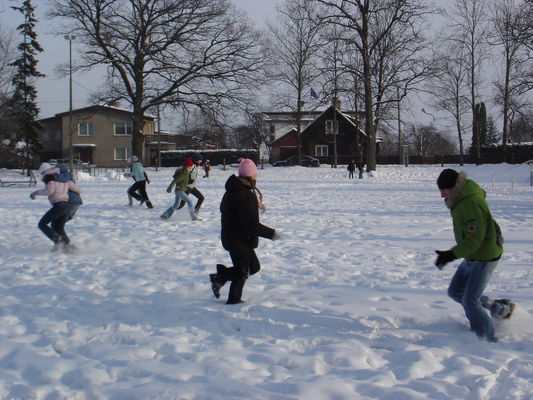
[7, 56]
[293, 44]
[387, 34]
[331, 73]
[509, 22]
[428, 140]
[449, 87]
[469, 30]
[199, 53]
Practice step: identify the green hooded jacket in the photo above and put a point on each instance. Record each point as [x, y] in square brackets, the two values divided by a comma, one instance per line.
[181, 180]
[473, 225]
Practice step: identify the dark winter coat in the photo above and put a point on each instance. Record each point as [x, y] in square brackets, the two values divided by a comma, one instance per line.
[473, 226]
[240, 215]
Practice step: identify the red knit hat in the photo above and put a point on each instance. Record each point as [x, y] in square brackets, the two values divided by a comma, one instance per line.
[188, 162]
[247, 167]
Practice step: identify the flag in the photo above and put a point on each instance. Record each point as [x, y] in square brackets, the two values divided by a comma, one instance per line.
[313, 94]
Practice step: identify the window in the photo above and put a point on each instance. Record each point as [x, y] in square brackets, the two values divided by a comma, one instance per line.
[321, 150]
[85, 129]
[122, 153]
[58, 135]
[123, 128]
[272, 132]
[329, 127]
[45, 137]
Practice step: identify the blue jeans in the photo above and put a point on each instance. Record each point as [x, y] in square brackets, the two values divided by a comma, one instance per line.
[466, 288]
[57, 217]
[180, 196]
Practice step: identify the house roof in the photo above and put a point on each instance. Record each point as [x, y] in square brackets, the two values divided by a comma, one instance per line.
[344, 116]
[96, 107]
[283, 137]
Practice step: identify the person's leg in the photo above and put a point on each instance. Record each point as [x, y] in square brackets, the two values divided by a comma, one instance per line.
[458, 282]
[188, 201]
[73, 209]
[58, 224]
[47, 219]
[255, 266]
[196, 193]
[132, 191]
[479, 276]
[144, 194]
[240, 256]
[177, 200]
[182, 203]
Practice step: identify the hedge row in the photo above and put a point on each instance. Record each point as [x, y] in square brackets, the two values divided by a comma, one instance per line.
[174, 158]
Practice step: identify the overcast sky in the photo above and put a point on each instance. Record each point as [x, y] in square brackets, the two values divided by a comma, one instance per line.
[53, 91]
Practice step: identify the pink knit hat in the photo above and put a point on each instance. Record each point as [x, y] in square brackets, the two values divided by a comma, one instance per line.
[247, 167]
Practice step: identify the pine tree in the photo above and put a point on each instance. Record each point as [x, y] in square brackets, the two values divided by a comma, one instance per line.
[480, 132]
[23, 102]
[493, 137]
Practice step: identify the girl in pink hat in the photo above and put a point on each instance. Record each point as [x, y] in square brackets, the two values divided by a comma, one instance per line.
[240, 231]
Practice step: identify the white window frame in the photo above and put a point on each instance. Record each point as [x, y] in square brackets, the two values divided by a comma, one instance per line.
[321, 150]
[329, 126]
[125, 125]
[125, 150]
[88, 131]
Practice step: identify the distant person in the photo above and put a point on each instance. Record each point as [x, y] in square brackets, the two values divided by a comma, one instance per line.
[138, 189]
[52, 223]
[180, 181]
[207, 168]
[479, 243]
[240, 231]
[360, 167]
[351, 169]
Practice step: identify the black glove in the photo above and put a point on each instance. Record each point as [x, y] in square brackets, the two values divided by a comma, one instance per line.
[444, 258]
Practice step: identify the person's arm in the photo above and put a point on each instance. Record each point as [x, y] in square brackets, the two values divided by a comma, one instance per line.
[49, 190]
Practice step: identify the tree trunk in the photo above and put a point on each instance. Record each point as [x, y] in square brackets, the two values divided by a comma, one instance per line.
[137, 137]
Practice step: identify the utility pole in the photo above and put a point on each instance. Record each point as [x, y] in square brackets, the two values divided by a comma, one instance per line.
[399, 128]
[70, 38]
[335, 130]
[158, 166]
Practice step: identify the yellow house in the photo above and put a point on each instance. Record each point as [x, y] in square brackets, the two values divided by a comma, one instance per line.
[101, 135]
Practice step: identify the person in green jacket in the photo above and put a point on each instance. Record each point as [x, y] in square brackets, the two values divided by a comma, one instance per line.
[479, 243]
[181, 181]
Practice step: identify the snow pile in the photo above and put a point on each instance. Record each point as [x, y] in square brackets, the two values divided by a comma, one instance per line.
[347, 306]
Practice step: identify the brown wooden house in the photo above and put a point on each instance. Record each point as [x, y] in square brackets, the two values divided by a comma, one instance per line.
[330, 129]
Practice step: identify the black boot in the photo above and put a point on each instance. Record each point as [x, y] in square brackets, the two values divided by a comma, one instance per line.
[235, 291]
[215, 285]
[149, 204]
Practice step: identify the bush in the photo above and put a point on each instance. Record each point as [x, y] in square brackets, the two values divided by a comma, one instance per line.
[174, 158]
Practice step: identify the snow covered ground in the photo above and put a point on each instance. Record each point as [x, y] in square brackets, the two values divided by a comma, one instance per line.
[347, 306]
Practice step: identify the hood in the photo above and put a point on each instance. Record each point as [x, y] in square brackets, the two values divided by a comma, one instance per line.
[235, 184]
[464, 188]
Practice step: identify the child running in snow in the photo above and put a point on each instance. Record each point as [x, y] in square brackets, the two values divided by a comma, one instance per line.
[240, 231]
[58, 215]
[141, 179]
[181, 181]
